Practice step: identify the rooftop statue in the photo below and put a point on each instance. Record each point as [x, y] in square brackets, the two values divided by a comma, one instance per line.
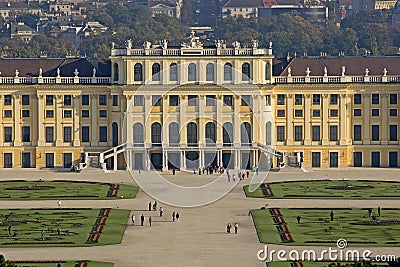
[254, 43]
[129, 44]
[385, 71]
[343, 70]
[236, 44]
[194, 42]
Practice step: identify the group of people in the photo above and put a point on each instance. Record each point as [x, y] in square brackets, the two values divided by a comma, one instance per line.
[209, 170]
[229, 227]
[175, 215]
[241, 175]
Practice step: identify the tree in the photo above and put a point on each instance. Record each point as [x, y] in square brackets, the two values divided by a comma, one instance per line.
[4, 263]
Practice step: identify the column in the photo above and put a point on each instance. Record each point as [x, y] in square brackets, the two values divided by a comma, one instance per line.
[1, 124]
[219, 123]
[255, 131]
[307, 121]
[40, 120]
[325, 126]
[34, 108]
[147, 159]
[289, 116]
[343, 120]
[164, 126]
[58, 120]
[201, 161]
[184, 160]
[201, 71]
[146, 123]
[366, 119]
[182, 69]
[128, 121]
[94, 125]
[77, 129]
[17, 120]
[115, 158]
[182, 126]
[349, 114]
[384, 115]
[236, 121]
[201, 125]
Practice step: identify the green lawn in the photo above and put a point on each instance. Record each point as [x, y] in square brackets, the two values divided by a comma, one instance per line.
[64, 264]
[317, 264]
[74, 225]
[316, 228]
[345, 189]
[40, 190]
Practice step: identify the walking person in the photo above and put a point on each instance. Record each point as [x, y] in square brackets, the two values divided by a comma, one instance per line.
[233, 177]
[236, 227]
[177, 216]
[228, 228]
[133, 219]
[150, 206]
[142, 220]
[150, 220]
[256, 170]
[247, 174]
[173, 216]
[332, 215]
[161, 211]
[155, 206]
[229, 177]
[59, 203]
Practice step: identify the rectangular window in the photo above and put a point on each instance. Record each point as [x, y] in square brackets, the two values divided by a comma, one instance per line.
[8, 134]
[85, 100]
[103, 113]
[298, 99]
[138, 100]
[103, 100]
[49, 100]
[333, 133]
[49, 113]
[210, 100]
[392, 132]
[156, 100]
[280, 113]
[85, 113]
[246, 100]
[8, 113]
[115, 100]
[393, 112]
[298, 113]
[85, 134]
[316, 99]
[67, 134]
[375, 133]
[67, 100]
[67, 113]
[228, 100]
[281, 100]
[268, 100]
[298, 133]
[8, 160]
[103, 133]
[375, 99]
[316, 113]
[26, 133]
[393, 99]
[357, 112]
[357, 159]
[173, 100]
[49, 160]
[49, 134]
[334, 113]
[334, 99]
[316, 136]
[7, 100]
[280, 133]
[316, 159]
[26, 113]
[357, 99]
[357, 133]
[192, 100]
[375, 112]
[25, 100]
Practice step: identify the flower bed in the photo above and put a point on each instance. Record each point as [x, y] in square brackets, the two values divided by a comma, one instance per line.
[275, 212]
[266, 190]
[104, 212]
[286, 237]
[82, 264]
[282, 228]
[113, 191]
[94, 238]
[350, 187]
[296, 264]
[375, 222]
[279, 220]
[34, 187]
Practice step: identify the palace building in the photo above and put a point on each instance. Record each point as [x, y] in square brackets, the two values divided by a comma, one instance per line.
[190, 104]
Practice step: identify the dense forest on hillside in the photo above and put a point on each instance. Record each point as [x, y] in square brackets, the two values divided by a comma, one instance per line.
[368, 32]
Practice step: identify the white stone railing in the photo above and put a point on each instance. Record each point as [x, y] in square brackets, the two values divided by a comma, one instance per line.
[55, 80]
[336, 79]
[200, 51]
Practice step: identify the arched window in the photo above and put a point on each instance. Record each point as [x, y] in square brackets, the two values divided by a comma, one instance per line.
[227, 136]
[267, 76]
[138, 139]
[268, 133]
[245, 133]
[116, 72]
[156, 134]
[192, 134]
[246, 72]
[192, 72]
[173, 134]
[210, 134]
[138, 72]
[173, 72]
[155, 72]
[210, 72]
[228, 72]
